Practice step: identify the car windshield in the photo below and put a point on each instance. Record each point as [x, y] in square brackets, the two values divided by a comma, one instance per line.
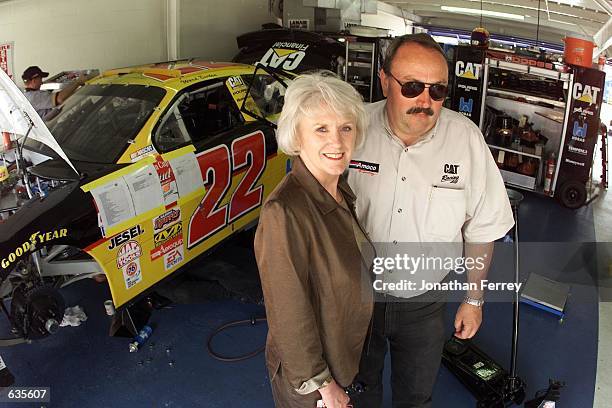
[97, 123]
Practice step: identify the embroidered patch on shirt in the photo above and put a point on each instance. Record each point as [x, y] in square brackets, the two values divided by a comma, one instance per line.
[450, 177]
[364, 167]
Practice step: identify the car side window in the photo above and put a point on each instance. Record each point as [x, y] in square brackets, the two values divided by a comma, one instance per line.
[210, 111]
[267, 93]
[198, 116]
[172, 133]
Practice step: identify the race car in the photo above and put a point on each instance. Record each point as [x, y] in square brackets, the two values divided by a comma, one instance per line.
[151, 167]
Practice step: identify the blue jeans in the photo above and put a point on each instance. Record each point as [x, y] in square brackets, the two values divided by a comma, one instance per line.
[415, 333]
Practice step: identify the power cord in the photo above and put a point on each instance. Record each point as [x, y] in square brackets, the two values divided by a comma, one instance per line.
[232, 359]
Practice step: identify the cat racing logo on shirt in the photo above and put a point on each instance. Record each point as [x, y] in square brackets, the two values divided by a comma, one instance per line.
[450, 169]
[467, 70]
[167, 234]
[284, 55]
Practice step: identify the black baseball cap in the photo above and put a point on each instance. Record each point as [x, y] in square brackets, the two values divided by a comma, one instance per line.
[33, 72]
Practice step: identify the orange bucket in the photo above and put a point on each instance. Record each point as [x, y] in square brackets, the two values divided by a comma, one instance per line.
[578, 52]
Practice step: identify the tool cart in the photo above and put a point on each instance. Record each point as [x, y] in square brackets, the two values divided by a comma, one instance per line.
[539, 118]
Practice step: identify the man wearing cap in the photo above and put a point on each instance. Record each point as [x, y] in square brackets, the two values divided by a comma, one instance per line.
[46, 103]
[426, 183]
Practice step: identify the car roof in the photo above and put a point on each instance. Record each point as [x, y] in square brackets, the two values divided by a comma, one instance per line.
[172, 74]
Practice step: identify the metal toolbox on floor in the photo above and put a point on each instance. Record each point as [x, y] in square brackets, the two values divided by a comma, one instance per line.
[517, 179]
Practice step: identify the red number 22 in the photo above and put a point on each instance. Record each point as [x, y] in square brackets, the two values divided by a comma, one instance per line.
[247, 152]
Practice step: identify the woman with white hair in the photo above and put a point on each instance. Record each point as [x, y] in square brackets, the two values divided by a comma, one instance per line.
[309, 249]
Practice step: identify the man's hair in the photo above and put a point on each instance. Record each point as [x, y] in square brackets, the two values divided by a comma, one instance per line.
[422, 39]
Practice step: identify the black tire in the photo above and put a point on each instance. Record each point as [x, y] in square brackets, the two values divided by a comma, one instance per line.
[572, 194]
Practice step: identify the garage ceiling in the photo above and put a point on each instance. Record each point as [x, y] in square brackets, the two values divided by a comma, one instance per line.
[515, 17]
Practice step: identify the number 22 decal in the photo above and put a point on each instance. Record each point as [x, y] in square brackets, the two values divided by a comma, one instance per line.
[216, 166]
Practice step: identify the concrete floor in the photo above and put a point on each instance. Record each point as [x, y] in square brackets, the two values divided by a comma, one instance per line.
[602, 213]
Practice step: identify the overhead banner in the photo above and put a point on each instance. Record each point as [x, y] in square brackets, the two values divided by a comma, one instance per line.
[6, 58]
[466, 96]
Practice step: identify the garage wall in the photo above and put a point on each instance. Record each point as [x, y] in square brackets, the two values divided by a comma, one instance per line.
[390, 17]
[209, 29]
[79, 34]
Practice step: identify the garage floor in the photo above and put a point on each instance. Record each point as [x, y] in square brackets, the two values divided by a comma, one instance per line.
[86, 368]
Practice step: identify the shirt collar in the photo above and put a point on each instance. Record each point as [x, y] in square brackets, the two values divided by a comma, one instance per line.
[425, 138]
[324, 201]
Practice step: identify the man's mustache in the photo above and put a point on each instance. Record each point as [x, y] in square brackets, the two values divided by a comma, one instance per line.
[427, 111]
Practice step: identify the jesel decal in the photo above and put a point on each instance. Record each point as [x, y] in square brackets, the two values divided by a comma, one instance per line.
[35, 238]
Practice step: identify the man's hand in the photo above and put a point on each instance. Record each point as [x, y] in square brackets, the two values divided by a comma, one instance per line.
[334, 396]
[467, 321]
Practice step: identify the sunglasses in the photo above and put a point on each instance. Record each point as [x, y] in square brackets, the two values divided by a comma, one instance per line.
[412, 89]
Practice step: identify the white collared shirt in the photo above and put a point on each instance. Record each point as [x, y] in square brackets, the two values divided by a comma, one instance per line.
[444, 188]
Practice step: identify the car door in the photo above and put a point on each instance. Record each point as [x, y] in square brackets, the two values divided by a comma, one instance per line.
[237, 160]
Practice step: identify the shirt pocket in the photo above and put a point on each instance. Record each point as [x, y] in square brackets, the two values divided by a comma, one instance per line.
[445, 213]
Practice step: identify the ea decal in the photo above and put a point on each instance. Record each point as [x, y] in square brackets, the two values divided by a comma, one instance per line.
[173, 258]
[124, 236]
[129, 252]
[467, 70]
[30, 245]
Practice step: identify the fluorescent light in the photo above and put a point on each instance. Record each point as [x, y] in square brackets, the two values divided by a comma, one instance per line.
[477, 12]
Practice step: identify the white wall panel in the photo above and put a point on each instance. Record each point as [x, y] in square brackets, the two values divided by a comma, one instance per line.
[79, 34]
[208, 28]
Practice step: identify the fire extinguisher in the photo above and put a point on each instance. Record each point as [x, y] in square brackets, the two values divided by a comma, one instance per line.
[550, 172]
[6, 141]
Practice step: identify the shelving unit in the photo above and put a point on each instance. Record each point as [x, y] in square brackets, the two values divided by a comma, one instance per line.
[527, 97]
[530, 104]
[562, 104]
[360, 69]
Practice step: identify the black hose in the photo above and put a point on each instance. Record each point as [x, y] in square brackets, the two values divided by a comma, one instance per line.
[233, 359]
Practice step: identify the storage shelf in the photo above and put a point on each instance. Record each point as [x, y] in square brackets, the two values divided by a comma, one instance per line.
[554, 118]
[506, 149]
[358, 84]
[527, 69]
[363, 47]
[357, 64]
[528, 97]
[515, 179]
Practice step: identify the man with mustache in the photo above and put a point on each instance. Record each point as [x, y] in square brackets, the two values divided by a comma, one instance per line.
[426, 184]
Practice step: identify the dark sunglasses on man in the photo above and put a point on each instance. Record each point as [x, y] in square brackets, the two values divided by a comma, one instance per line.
[412, 89]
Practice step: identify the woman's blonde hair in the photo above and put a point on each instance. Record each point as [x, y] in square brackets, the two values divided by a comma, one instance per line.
[307, 93]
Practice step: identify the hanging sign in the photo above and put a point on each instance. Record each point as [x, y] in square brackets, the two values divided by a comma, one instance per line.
[6, 58]
[466, 94]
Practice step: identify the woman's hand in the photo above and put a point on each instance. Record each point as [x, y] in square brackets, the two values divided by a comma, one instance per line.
[334, 396]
